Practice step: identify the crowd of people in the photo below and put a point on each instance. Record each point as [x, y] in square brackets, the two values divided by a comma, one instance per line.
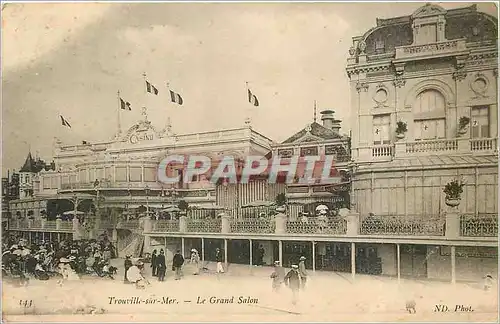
[67, 259]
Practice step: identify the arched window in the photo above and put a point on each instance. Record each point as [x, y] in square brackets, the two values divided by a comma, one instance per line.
[429, 115]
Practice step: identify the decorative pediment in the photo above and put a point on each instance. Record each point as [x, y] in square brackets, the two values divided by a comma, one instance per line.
[141, 132]
[429, 10]
[309, 138]
[312, 133]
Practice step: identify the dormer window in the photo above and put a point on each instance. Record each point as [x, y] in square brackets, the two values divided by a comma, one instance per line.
[379, 46]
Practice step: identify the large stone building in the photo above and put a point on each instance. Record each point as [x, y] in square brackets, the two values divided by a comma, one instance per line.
[433, 75]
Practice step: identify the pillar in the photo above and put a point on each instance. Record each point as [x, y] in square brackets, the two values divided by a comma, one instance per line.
[352, 219]
[43, 237]
[314, 255]
[183, 246]
[183, 224]
[353, 260]
[58, 223]
[225, 254]
[280, 220]
[398, 256]
[452, 223]
[58, 237]
[251, 252]
[453, 265]
[114, 236]
[225, 224]
[202, 249]
[280, 252]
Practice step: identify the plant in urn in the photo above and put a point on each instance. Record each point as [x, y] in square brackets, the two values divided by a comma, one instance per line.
[453, 190]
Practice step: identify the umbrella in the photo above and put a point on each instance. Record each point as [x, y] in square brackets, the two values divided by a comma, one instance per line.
[259, 203]
[171, 209]
[322, 208]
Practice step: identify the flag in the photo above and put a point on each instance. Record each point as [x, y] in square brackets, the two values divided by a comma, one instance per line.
[151, 88]
[64, 122]
[253, 98]
[125, 105]
[176, 98]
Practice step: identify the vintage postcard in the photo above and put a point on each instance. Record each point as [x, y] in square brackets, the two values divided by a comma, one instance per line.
[249, 161]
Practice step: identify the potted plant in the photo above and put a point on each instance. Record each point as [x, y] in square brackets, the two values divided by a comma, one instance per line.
[463, 122]
[401, 129]
[281, 202]
[183, 206]
[453, 190]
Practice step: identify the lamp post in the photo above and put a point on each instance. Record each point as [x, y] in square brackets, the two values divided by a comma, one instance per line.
[146, 190]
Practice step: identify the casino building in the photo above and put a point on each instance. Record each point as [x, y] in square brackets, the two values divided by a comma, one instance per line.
[425, 84]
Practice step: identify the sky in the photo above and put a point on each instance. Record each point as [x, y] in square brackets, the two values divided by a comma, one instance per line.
[70, 59]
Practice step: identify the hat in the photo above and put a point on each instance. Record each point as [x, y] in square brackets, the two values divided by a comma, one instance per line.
[63, 260]
[276, 262]
[302, 258]
[294, 266]
[128, 256]
[139, 262]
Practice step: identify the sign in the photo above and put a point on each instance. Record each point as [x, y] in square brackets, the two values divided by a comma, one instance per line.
[141, 137]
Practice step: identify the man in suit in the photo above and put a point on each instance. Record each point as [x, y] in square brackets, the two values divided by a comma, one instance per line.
[127, 264]
[178, 261]
[160, 265]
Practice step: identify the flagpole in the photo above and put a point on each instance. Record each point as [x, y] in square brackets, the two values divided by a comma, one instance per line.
[315, 115]
[248, 119]
[168, 125]
[119, 121]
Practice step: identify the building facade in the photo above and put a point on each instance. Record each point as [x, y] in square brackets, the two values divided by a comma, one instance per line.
[426, 87]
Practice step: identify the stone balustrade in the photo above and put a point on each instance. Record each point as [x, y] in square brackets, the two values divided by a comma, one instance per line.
[43, 225]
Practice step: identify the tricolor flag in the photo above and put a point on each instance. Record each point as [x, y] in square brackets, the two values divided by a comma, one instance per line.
[151, 88]
[176, 98]
[64, 122]
[125, 105]
[252, 98]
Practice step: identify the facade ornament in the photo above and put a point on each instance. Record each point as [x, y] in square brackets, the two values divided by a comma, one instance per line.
[495, 72]
[362, 47]
[399, 81]
[459, 75]
[361, 86]
[352, 51]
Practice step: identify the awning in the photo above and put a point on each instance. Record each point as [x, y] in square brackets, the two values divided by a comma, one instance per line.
[214, 207]
[259, 203]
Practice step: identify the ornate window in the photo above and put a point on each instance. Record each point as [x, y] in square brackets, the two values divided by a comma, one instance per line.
[480, 122]
[309, 151]
[381, 127]
[429, 112]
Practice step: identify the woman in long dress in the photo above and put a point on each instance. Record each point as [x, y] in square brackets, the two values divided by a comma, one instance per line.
[195, 261]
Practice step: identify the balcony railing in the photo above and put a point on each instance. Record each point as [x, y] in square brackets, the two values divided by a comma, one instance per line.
[386, 150]
[317, 226]
[131, 224]
[403, 225]
[432, 146]
[39, 225]
[204, 225]
[482, 225]
[484, 144]
[165, 226]
[249, 225]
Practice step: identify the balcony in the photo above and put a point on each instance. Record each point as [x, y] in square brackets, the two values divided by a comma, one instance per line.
[387, 152]
[482, 225]
[42, 225]
[432, 50]
[403, 225]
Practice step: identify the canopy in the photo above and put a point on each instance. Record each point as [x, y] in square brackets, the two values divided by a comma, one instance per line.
[171, 209]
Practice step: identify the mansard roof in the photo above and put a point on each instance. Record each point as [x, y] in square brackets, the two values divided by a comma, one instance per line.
[316, 130]
[465, 23]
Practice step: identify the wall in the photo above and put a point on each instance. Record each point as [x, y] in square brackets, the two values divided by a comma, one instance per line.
[416, 192]
[469, 267]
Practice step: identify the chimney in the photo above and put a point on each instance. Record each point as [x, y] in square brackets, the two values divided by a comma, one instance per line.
[329, 121]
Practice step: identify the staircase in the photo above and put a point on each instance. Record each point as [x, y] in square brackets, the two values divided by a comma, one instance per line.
[131, 245]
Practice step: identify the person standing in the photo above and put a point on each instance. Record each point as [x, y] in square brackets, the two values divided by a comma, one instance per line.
[302, 272]
[195, 261]
[262, 252]
[154, 269]
[219, 258]
[161, 265]
[178, 261]
[127, 264]
[278, 276]
[292, 280]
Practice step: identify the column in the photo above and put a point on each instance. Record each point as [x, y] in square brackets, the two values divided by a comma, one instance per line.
[225, 224]
[453, 264]
[225, 254]
[58, 237]
[183, 224]
[314, 255]
[280, 252]
[353, 260]
[202, 250]
[43, 236]
[251, 252]
[398, 256]
[183, 245]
